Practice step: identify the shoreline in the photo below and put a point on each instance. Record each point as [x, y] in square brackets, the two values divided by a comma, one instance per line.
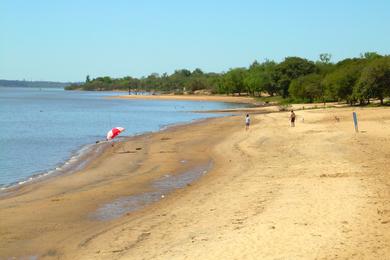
[77, 161]
[45, 184]
[267, 186]
[80, 158]
[200, 98]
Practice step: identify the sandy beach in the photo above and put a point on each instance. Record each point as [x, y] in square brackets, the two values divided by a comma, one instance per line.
[315, 191]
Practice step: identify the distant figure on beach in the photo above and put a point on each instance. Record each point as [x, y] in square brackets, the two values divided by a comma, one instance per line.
[292, 118]
[247, 122]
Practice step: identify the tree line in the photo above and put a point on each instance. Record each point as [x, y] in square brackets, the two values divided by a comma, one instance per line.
[354, 80]
[32, 84]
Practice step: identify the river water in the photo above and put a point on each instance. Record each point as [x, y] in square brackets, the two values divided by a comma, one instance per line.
[41, 129]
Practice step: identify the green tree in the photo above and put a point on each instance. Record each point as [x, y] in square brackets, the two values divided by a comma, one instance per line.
[324, 64]
[234, 81]
[268, 84]
[340, 83]
[291, 68]
[197, 72]
[325, 58]
[259, 78]
[307, 87]
[374, 81]
[196, 84]
[252, 82]
[254, 64]
[369, 55]
[214, 81]
[177, 80]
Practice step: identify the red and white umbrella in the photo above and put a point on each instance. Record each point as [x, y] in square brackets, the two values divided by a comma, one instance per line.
[114, 132]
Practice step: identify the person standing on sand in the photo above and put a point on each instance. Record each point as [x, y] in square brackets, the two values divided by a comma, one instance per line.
[292, 118]
[247, 122]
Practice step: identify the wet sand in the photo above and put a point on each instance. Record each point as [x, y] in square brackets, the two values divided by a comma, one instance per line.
[318, 190]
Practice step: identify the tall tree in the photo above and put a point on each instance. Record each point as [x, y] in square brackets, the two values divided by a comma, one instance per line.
[307, 87]
[374, 81]
[340, 83]
[291, 68]
[258, 78]
[234, 80]
[325, 58]
[369, 55]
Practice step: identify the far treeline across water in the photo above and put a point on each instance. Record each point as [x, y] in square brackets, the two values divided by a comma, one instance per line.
[354, 80]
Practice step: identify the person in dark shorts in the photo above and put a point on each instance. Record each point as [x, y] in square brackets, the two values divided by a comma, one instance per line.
[292, 118]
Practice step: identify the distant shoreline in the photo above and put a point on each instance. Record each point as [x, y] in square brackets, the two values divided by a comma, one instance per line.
[207, 98]
[33, 84]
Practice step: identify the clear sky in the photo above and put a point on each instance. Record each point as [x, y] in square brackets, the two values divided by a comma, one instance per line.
[65, 40]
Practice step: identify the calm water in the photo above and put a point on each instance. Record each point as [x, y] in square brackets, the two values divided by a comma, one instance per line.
[42, 128]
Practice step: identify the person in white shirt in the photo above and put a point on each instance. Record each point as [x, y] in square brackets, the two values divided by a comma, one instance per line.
[247, 122]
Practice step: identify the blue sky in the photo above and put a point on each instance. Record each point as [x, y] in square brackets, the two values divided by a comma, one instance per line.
[67, 40]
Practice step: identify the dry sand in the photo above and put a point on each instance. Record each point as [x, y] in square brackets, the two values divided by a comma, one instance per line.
[316, 191]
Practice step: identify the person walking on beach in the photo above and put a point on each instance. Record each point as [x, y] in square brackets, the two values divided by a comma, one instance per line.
[247, 122]
[292, 118]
